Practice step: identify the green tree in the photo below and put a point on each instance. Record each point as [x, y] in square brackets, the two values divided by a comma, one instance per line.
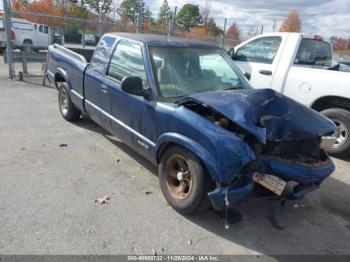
[129, 10]
[165, 14]
[147, 14]
[101, 8]
[212, 29]
[189, 17]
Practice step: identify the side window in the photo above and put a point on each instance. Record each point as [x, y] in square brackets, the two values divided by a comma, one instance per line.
[46, 29]
[261, 50]
[127, 61]
[41, 28]
[102, 54]
[314, 52]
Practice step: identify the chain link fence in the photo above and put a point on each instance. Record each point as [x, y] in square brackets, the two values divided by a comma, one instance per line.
[32, 33]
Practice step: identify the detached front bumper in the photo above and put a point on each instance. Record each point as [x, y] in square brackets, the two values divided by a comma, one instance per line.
[301, 179]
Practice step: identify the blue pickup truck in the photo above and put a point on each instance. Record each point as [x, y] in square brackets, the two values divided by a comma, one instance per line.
[187, 108]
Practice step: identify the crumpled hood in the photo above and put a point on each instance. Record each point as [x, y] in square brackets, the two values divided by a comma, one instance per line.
[266, 114]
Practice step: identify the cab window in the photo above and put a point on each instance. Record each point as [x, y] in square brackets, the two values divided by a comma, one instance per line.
[261, 50]
[127, 61]
[100, 58]
[314, 52]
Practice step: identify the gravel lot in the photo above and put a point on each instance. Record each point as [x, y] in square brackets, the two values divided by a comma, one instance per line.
[47, 196]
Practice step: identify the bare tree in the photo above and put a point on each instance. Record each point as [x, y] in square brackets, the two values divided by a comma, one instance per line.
[206, 10]
[292, 23]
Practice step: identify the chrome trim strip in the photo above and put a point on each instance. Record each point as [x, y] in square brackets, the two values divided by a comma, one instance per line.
[151, 143]
[77, 94]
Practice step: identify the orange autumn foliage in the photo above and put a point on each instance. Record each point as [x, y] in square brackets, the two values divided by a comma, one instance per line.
[292, 23]
[40, 7]
[198, 31]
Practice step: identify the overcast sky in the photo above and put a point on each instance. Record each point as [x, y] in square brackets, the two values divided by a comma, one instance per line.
[323, 17]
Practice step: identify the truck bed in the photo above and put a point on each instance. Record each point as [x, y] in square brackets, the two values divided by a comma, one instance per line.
[63, 60]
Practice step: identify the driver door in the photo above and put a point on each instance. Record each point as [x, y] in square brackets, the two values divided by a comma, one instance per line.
[259, 59]
[131, 117]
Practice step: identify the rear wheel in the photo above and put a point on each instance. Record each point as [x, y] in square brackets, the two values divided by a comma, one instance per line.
[27, 46]
[183, 180]
[341, 119]
[66, 106]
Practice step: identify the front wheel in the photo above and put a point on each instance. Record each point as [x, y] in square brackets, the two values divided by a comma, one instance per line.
[66, 106]
[183, 180]
[341, 119]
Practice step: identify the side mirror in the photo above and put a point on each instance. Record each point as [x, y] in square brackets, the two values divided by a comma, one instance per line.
[231, 52]
[247, 75]
[133, 85]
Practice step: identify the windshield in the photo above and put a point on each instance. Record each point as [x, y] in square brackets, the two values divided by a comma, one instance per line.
[184, 71]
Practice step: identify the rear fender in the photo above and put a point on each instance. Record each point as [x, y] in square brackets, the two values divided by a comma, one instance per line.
[65, 76]
[77, 99]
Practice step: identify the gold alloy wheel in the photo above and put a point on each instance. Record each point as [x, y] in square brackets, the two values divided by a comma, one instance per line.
[178, 177]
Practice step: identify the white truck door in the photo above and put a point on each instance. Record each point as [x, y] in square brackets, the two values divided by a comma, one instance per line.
[43, 35]
[259, 58]
[309, 77]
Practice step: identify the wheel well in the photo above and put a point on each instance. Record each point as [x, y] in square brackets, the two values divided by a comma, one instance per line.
[163, 148]
[58, 79]
[166, 146]
[28, 40]
[331, 102]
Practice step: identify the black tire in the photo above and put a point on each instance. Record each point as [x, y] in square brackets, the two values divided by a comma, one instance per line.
[341, 118]
[66, 106]
[197, 199]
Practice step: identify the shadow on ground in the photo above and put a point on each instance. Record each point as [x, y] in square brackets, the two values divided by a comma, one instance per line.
[318, 224]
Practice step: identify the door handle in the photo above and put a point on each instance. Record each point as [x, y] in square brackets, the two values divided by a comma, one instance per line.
[104, 88]
[265, 72]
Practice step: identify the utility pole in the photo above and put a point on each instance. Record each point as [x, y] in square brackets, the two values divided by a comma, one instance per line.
[274, 25]
[223, 36]
[172, 24]
[7, 12]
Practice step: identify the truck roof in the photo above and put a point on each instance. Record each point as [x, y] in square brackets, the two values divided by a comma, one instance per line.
[163, 40]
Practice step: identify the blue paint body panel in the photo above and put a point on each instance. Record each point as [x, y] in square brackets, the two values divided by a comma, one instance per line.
[267, 114]
[148, 126]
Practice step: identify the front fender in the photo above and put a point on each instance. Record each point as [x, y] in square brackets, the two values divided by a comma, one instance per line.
[224, 162]
[188, 143]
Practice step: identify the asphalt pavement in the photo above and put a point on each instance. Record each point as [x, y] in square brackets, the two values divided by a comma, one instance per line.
[51, 171]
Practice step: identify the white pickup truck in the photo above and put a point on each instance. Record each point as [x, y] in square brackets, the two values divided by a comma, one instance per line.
[25, 35]
[300, 67]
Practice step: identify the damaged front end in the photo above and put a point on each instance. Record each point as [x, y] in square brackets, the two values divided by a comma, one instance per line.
[286, 138]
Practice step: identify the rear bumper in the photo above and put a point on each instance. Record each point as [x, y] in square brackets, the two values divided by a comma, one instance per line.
[305, 178]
